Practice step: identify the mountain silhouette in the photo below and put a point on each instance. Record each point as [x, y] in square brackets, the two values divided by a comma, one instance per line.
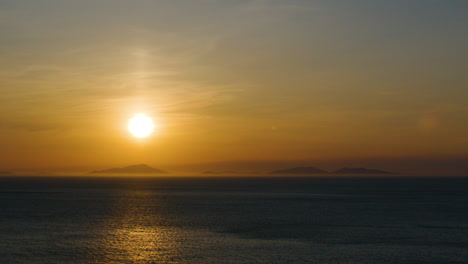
[361, 171]
[300, 170]
[132, 169]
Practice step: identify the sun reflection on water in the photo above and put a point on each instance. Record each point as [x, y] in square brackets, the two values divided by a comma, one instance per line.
[136, 233]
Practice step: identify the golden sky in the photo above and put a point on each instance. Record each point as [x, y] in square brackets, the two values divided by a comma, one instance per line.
[257, 80]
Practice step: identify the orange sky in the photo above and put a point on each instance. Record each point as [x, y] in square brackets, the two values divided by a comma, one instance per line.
[318, 82]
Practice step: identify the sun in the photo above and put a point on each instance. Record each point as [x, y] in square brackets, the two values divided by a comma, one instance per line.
[141, 126]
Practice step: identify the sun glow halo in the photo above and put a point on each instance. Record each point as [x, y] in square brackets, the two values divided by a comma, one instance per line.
[141, 126]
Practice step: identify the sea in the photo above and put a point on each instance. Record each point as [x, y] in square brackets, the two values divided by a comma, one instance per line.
[346, 220]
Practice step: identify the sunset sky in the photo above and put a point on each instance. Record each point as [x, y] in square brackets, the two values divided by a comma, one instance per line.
[369, 82]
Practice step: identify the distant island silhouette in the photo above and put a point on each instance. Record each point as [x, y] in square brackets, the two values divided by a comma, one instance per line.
[300, 170]
[132, 169]
[361, 171]
[314, 170]
[5, 172]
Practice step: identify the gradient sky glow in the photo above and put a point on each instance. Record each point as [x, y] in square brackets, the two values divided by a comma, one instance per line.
[257, 80]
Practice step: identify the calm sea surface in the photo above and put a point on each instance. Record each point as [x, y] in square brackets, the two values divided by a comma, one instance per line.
[233, 220]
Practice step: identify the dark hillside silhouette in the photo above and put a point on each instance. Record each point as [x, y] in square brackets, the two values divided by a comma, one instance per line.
[133, 169]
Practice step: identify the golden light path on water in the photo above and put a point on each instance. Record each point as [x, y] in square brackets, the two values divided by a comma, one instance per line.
[137, 233]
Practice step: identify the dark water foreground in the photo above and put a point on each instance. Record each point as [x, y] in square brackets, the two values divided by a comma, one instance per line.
[234, 220]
